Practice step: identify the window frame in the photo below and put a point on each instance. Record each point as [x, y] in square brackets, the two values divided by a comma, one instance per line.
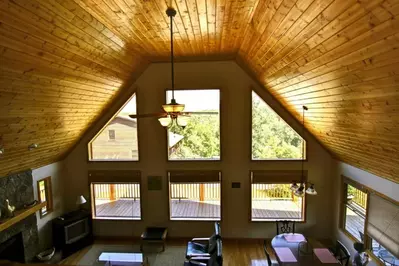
[304, 205]
[367, 239]
[220, 128]
[344, 187]
[93, 202]
[201, 220]
[113, 135]
[285, 121]
[98, 132]
[49, 196]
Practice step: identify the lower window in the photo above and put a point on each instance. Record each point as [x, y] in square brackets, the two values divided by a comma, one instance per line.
[270, 202]
[355, 212]
[194, 201]
[382, 253]
[116, 200]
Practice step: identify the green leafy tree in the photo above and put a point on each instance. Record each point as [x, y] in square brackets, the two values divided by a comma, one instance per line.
[271, 136]
[201, 138]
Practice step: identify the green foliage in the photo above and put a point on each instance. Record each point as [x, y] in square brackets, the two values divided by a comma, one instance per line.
[272, 138]
[201, 138]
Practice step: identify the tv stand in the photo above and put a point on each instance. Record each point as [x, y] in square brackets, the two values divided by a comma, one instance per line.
[72, 232]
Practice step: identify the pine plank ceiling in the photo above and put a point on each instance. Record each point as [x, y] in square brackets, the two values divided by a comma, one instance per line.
[63, 61]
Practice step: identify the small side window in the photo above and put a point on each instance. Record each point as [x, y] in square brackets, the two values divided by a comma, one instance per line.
[45, 195]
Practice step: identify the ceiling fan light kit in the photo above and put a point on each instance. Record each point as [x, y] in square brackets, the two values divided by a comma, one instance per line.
[173, 111]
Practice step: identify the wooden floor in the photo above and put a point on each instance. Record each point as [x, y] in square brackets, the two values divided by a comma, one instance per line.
[196, 209]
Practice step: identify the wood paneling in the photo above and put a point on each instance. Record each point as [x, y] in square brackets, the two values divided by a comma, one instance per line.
[63, 61]
[341, 59]
[60, 67]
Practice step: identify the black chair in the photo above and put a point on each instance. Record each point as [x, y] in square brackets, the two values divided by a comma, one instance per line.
[341, 253]
[361, 236]
[285, 227]
[216, 258]
[269, 261]
[205, 246]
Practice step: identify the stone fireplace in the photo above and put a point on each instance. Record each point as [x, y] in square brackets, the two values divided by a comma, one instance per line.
[22, 237]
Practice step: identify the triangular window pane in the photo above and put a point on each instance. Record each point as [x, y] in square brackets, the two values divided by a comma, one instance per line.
[272, 137]
[117, 141]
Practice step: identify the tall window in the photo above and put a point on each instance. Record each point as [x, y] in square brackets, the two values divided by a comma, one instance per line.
[272, 199]
[272, 137]
[355, 211]
[115, 194]
[105, 146]
[371, 218]
[44, 192]
[194, 195]
[200, 139]
[116, 200]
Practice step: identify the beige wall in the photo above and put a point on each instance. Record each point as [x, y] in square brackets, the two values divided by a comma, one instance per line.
[235, 87]
[377, 183]
[54, 170]
[124, 146]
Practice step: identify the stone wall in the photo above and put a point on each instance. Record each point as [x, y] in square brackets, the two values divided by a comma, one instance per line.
[18, 189]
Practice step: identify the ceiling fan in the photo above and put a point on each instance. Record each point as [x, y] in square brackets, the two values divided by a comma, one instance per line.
[173, 111]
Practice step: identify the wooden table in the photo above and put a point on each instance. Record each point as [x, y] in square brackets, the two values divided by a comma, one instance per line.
[280, 241]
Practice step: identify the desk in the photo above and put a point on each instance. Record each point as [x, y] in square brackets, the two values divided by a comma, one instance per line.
[280, 241]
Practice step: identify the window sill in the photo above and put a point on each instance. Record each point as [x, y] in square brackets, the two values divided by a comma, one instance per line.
[42, 215]
[276, 220]
[195, 219]
[117, 218]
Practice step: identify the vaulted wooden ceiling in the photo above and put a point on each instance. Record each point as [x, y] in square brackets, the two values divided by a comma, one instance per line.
[63, 61]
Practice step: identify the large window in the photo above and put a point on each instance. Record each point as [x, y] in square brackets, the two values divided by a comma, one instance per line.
[371, 218]
[355, 211]
[115, 194]
[116, 200]
[117, 141]
[200, 139]
[272, 198]
[275, 202]
[194, 195]
[272, 137]
[45, 194]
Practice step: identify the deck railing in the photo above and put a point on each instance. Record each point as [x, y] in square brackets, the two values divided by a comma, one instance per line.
[360, 198]
[272, 191]
[117, 191]
[200, 191]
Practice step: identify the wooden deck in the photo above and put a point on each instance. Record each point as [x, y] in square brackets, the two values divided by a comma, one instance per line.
[354, 224]
[277, 209]
[191, 209]
[122, 208]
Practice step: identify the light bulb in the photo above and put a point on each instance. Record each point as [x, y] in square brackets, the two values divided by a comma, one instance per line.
[165, 121]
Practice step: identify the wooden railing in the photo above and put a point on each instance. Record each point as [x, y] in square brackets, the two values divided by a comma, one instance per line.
[117, 191]
[200, 191]
[360, 198]
[272, 191]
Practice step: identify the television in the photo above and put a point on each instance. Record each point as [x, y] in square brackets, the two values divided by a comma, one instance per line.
[72, 231]
[76, 231]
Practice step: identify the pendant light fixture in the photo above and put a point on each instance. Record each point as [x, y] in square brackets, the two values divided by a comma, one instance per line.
[173, 109]
[300, 191]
